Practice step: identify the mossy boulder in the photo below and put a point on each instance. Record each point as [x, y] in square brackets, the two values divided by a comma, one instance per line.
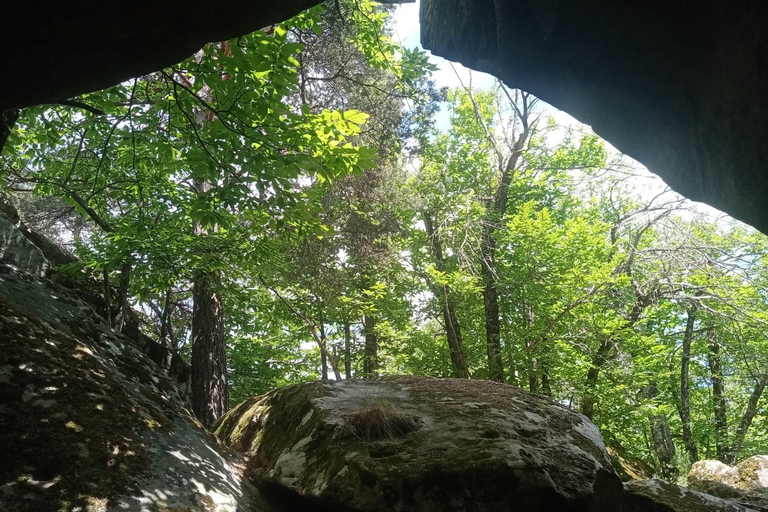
[89, 423]
[423, 444]
[753, 473]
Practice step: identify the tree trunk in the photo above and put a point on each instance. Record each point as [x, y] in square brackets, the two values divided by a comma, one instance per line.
[210, 393]
[443, 293]
[530, 348]
[746, 420]
[684, 408]
[347, 351]
[8, 120]
[491, 306]
[166, 330]
[371, 351]
[546, 387]
[598, 360]
[210, 388]
[122, 298]
[718, 399]
[323, 356]
[664, 446]
[662, 438]
[604, 351]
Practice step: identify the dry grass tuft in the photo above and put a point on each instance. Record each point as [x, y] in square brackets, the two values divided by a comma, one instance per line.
[381, 421]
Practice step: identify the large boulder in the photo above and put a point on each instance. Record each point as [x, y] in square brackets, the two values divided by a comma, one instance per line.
[89, 423]
[423, 444]
[712, 470]
[678, 85]
[660, 496]
[749, 475]
[753, 473]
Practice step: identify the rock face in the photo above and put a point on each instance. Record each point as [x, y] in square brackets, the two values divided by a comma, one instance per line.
[753, 473]
[745, 483]
[37, 44]
[423, 444]
[678, 85]
[89, 423]
[660, 496]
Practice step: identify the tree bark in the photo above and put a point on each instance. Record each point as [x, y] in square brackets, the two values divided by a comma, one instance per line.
[662, 438]
[210, 393]
[606, 347]
[530, 348]
[598, 360]
[443, 293]
[491, 305]
[494, 214]
[371, 351]
[718, 399]
[210, 388]
[746, 420]
[323, 354]
[347, 351]
[122, 298]
[684, 408]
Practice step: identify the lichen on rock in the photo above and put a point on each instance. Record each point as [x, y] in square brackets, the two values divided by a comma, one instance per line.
[89, 423]
[418, 443]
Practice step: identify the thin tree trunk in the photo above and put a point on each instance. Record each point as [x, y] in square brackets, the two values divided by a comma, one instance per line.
[546, 387]
[491, 305]
[122, 298]
[530, 348]
[443, 293]
[166, 333]
[210, 393]
[598, 360]
[323, 356]
[107, 294]
[746, 420]
[718, 399]
[347, 351]
[662, 438]
[371, 350]
[604, 352]
[685, 395]
[494, 214]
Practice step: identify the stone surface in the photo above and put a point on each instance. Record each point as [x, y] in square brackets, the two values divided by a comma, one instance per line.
[713, 470]
[88, 422]
[715, 488]
[660, 496]
[678, 85]
[100, 44]
[16, 250]
[423, 444]
[629, 468]
[753, 473]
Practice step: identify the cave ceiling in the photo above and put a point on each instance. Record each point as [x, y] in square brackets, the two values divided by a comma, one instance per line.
[681, 86]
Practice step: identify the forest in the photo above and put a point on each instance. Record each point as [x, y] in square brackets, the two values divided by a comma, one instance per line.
[305, 202]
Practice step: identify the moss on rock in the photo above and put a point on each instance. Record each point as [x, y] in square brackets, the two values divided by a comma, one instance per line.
[417, 443]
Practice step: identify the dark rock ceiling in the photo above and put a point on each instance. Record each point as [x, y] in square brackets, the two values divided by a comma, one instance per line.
[681, 86]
